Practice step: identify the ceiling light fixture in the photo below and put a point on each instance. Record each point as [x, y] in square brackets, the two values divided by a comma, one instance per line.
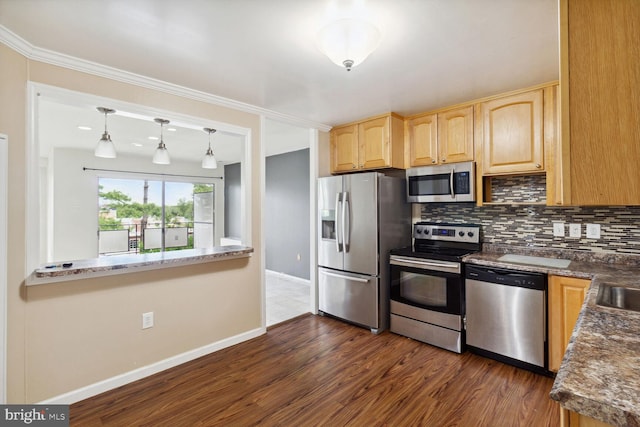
[105, 147]
[161, 156]
[209, 161]
[347, 42]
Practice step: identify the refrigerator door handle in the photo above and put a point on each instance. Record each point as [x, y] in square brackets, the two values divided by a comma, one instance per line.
[338, 223]
[341, 276]
[346, 225]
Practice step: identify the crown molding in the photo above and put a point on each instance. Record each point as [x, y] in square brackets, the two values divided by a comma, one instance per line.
[35, 53]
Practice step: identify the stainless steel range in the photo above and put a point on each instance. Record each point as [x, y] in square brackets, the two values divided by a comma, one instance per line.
[427, 283]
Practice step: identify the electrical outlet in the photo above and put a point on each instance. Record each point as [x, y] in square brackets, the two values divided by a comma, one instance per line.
[147, 320]
[593, 231]
[558, 229]
[575, 231]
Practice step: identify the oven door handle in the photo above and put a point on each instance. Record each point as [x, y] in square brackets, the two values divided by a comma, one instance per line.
[453, 267]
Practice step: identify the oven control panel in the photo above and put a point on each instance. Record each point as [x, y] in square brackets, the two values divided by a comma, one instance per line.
[464, 233]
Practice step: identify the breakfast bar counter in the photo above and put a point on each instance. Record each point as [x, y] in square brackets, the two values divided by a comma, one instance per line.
[599, 376]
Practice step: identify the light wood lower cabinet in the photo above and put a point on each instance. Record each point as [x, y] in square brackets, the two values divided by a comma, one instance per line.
[566, 295]
[573, 419]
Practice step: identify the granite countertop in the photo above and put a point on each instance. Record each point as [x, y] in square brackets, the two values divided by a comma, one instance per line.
[118, 264]
[600, 373]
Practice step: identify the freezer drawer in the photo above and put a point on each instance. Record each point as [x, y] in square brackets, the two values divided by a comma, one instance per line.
[352, 297]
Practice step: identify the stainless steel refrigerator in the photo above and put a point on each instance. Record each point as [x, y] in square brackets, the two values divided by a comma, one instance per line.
[360, 218]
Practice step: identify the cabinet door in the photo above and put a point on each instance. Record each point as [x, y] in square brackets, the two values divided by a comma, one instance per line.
[375, 148]
[513, 134]
[566, 295]
[344, 148]
[601, 77]
[422, 134]
[455, 135]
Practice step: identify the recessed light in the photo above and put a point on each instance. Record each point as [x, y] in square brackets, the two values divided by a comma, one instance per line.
[136, 144]
[172, 129]
[153, 138]
[84, 128]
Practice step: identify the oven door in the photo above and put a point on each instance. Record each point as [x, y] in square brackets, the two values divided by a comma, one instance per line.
[428, 284]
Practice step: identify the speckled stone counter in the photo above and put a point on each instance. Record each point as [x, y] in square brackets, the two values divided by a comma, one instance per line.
[120, 264]
[600, 373]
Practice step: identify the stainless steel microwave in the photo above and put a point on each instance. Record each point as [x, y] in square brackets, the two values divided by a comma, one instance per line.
[454, 182]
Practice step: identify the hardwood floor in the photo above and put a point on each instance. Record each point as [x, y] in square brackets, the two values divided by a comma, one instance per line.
[317, 371]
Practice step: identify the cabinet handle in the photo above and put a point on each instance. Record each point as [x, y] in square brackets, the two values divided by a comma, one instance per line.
[538, 166]
[433, 161]
[444, 160]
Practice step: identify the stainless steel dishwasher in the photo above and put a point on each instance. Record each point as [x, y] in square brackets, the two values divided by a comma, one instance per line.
[506, 316]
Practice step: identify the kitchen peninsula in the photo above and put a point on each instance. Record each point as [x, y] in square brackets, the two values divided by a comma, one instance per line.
[120, 264]
[599, 376]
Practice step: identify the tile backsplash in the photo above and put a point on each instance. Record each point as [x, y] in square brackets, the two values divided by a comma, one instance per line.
[531, 225]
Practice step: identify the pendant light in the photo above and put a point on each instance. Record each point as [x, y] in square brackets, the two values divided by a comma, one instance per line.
[105, 147]
[209, 161]
[161, 156]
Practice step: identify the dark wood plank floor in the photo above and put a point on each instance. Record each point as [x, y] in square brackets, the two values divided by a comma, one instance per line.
[317, 371]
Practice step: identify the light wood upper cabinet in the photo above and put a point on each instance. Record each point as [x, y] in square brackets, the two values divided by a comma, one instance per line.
[422, 136]
[344, 148]
[376, 143]
[446, 137]
[513, 134]
[600, 89]
[566, 295]
[455, 135]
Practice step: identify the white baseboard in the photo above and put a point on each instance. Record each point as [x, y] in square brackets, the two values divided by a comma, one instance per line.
[145, 371]
[287, 277]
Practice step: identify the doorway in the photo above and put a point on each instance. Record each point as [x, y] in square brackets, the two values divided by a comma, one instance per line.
[288, 225]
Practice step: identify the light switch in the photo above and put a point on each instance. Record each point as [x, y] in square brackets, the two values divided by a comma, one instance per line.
[593, 231]
[574, 230]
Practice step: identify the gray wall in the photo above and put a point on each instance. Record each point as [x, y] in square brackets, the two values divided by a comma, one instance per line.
[232, 199]
[287, 224]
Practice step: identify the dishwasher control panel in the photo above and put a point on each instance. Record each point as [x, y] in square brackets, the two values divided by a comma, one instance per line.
[523, 279]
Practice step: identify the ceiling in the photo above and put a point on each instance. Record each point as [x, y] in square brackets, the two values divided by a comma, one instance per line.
[433, 53]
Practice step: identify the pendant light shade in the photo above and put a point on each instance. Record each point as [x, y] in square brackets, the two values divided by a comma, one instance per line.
[348, 42]
[209, 161]
[105, 147]
[161, 156]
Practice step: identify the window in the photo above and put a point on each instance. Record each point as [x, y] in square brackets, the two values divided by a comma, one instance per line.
[143, 215]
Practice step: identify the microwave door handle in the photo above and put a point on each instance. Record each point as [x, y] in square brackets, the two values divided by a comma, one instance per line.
[453, 194]
[346, 225]
[338, 224]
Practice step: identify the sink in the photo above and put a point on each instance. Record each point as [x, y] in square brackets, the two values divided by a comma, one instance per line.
[536, 260]
[619, 297]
